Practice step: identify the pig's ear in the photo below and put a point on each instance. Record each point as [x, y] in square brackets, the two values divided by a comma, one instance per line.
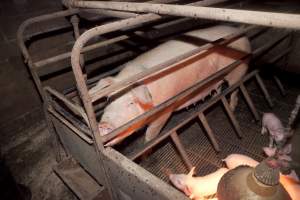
[192, 172]
[188, 191]
[142, 95]
[103, 83]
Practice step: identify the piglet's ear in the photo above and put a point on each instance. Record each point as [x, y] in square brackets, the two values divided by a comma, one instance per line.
[103, 83]
[187, 190]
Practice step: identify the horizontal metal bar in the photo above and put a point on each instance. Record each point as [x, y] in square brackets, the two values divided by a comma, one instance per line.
[203, 107]
[28, 22]
[175, 98]
[172, 63]
[261, 50]
[69, 117]
[111, 13]
[41, 63]
[71, 126]
[272, 19]
[76, 109]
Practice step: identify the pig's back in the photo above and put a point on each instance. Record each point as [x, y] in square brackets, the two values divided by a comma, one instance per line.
[183, 44]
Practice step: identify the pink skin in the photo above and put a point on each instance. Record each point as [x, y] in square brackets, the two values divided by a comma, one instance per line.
[197, 187]
[271, 124]
[234, 160]
[162, 87]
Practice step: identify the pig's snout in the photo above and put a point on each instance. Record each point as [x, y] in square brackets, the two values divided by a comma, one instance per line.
[105, 128]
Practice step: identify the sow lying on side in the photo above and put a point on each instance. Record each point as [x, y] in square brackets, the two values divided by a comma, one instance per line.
[160, 88]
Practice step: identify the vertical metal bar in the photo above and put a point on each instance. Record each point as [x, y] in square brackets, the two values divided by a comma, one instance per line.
[232, 117]
[249, 102]
[264, 90]
[209, 131]
[280, 86]
[51, 129]
[181, 150]
[75, 23]
[36, 79]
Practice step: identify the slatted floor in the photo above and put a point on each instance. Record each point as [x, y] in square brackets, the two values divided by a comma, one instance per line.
[165, 158]
[199, 148]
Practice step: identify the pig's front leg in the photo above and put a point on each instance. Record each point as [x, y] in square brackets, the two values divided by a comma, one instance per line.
[155, 127]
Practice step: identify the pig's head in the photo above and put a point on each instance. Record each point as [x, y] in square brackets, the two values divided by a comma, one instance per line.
[124, 108]
[181, 181]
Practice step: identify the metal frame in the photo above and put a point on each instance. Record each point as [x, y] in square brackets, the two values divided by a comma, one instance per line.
[93, 137]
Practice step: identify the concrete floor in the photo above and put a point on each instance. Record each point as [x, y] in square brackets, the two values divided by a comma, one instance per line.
[30, 157]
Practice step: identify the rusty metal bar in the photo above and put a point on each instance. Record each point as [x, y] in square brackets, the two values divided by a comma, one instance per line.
[71, 126]
[232, 117]
[281, 20]
[66, 55]
[181, 150]
[206, 105]
[75, 23]
[249, 102]
[209, 131]
[264, 90]
[76, 109]
[172, 63]
[76, 122]
[172, 100]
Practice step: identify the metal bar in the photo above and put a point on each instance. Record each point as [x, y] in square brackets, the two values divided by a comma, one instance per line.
[181, 150]
[172, 100]
[52, 132]
[75, 23]
[66, 55]
[264, 90]
[206, 105]
[77, 123]
[76, 109]
[172, 63]
[272, 19]
[209, 132]
[261, 50]
[111, 13]
[249, 102]
[71, 126]
[28, 22]
[232, 117]
[280, 86]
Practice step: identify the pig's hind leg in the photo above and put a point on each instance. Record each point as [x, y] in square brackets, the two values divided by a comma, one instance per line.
[155, 127]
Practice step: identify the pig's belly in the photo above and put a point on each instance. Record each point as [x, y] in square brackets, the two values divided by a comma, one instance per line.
[163, 88]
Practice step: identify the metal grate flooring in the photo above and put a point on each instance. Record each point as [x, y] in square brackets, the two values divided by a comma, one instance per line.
[200, 150]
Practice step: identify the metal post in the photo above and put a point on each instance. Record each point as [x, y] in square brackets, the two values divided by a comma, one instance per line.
[232, 117]
[209, 131]
[181, 150]
[249, 102]
[264, 90]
